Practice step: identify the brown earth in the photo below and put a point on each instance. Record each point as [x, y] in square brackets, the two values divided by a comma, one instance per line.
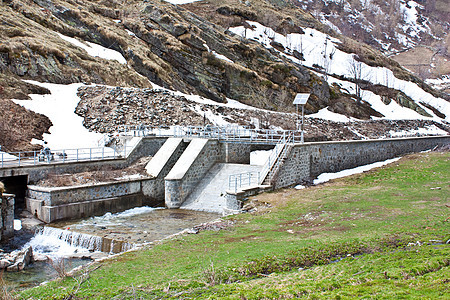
[19, 125]
[104, 174]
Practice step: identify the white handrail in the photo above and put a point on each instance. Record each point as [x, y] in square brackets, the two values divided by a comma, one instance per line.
[223, 133]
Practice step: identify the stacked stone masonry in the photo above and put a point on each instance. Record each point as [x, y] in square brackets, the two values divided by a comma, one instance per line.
[6, 216]
[307, 161]
[178, 188]
[51, 204]
[159, 182]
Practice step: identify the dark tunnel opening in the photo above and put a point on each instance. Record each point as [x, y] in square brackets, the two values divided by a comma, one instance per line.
[16, 185]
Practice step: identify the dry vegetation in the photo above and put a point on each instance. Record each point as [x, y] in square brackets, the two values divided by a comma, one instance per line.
[19, 125]
[165, 44]
[104, 174]
[290, 18]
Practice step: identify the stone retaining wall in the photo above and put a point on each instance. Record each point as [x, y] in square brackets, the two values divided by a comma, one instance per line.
[163, 161]
[237, 153]
[191, 167]
[51, 204]
[6, 216]
[308, 160]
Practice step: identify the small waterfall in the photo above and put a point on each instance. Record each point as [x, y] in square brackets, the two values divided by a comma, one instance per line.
[74, 239]
[51, 241]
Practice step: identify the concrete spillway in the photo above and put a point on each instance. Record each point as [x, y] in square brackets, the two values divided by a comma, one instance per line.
[209, 194]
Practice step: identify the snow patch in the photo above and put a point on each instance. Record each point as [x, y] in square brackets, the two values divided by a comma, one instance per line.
[324, 177]
[222, 57]
[320, 49]
[6, 156]
[259, 157]
[325, 114]
[59, 106]
[430, 130]
[96, 50]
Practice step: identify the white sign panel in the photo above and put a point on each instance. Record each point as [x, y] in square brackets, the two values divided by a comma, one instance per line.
[301, 99]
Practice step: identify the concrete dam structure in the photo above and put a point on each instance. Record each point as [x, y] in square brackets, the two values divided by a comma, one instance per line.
[181, 165]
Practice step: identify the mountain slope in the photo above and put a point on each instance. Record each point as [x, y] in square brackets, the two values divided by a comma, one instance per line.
[202, 48]
[414, 33]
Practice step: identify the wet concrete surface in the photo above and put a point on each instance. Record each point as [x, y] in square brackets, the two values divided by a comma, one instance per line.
[140, 225]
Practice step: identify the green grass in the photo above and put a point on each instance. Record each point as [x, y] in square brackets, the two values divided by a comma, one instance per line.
[353, 238]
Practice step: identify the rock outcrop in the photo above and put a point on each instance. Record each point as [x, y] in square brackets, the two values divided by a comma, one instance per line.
[16, 260]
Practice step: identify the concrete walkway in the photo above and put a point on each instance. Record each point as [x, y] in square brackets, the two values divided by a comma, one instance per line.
[209, 195]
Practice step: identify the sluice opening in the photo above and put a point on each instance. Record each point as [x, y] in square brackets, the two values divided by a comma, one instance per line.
[16, 185]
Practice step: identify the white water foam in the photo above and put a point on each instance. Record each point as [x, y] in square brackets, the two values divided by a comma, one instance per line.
[54, 243]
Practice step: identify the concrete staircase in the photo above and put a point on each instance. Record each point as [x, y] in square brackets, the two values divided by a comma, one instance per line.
[209, 194]
[278, 162]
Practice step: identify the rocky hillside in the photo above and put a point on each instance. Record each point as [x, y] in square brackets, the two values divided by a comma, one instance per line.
[414, 33]
[105, 108]
[197, 48]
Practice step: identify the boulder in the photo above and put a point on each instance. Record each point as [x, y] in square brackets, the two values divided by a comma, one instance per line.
[22, 259]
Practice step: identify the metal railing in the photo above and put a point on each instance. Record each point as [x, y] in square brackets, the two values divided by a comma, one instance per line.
[274, 156]
[237, 181]
[34, 158]
[232, 134]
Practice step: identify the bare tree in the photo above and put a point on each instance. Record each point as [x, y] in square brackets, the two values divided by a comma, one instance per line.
[355, 69]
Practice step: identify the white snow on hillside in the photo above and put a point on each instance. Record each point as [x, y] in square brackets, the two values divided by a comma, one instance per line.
[440, 83]
[59, 106]
[96, 50]
[222, 57]
[320, 49]
[324, 177]
[410, 16]
[181, 1]
[325, 114]
[391, 111]
[7, 156]
[430, 130]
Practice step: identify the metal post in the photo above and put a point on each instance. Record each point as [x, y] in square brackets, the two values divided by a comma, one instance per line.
[103, 153]
[19, 159]
[2, 159]
[301, 137]
[64, 155]
[90, 153]
[77, 154]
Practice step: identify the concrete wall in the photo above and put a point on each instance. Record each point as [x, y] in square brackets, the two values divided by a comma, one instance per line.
[236, 199]
[6, 216]
[163, 161]
[191, 167]
[51, 204]
[309, 160]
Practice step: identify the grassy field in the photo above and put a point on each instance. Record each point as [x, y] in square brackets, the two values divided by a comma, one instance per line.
[380, 234]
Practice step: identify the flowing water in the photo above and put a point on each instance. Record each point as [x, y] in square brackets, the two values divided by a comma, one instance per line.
[76, 241]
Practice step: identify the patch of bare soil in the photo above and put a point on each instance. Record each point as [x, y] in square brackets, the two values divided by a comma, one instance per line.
[19, 125]
[104, 174]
